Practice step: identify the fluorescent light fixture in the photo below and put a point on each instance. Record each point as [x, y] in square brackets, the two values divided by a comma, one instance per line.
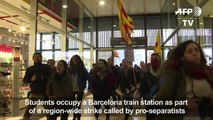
[23, 29]
[101, 2]
[9, 30]
[64, 6]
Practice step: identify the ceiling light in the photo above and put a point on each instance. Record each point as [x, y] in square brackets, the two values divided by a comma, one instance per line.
[201, 23]
[173, 4]
[23, 29]
[64, 6]
[9, 30]
[114, 25]
[101, 2]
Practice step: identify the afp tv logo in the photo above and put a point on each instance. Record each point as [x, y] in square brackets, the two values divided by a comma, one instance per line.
[196, 11]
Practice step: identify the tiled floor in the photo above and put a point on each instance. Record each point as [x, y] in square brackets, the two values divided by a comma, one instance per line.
[86, 116]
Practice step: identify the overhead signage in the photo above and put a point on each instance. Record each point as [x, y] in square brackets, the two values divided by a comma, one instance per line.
[135, 41]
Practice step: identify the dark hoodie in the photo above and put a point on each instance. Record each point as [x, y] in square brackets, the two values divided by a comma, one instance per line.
[42, 72]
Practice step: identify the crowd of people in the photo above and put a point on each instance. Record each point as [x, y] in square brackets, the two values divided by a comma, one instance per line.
[184, 75]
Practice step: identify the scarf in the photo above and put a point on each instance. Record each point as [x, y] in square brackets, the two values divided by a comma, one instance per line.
[60, 76]
[199, 71]
[76, 69]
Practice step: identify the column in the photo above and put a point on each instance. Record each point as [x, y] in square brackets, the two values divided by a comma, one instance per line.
[33, 30]
[64, 29]
[91, 42]
[15, 80]
[81, 16]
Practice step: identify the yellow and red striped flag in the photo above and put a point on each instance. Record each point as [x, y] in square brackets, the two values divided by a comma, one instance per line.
[125, 23]
[157, 47]
[115, 53]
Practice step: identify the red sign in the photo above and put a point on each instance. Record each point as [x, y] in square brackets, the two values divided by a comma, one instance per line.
[16, 58]
[5, 48]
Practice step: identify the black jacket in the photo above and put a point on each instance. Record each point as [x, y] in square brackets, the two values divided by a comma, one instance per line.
[42, 72]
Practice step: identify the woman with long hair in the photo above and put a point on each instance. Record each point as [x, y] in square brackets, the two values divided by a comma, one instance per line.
[79, 76]
[58, 89]
[186, 77]
[102, 84]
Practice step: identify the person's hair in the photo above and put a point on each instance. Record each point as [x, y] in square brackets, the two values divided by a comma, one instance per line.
[64, 63]
[78, 58]
[169, 53]
[37, 53]
[106, 65]
[125, 60]
[104, 61]
[156, 54]
[94, 64]
[175, 60]
[110, 58]
[51, 60]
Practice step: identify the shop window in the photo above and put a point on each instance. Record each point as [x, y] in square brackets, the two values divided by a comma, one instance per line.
[46, 55]
[47, 42]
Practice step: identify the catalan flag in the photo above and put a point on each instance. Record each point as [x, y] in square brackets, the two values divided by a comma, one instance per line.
[125, 23]
[157, 47]
[115, 53]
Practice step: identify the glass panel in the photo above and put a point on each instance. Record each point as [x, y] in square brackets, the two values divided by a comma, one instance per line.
[151, 36]
[187, 34]
[153, 25]
[166, 34]
[148, 58]
[70, 53]
[38, 42]
[104, 38]
[59, 55]
[57, 41]
[46, 55]
[104, 54]
[208, 55]
[165, 52]
[207, 36]
[86, 36]
[47, 41]
[72, 43]
[139, 55]
[118, 60]
[86, 59]
[104, 32]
